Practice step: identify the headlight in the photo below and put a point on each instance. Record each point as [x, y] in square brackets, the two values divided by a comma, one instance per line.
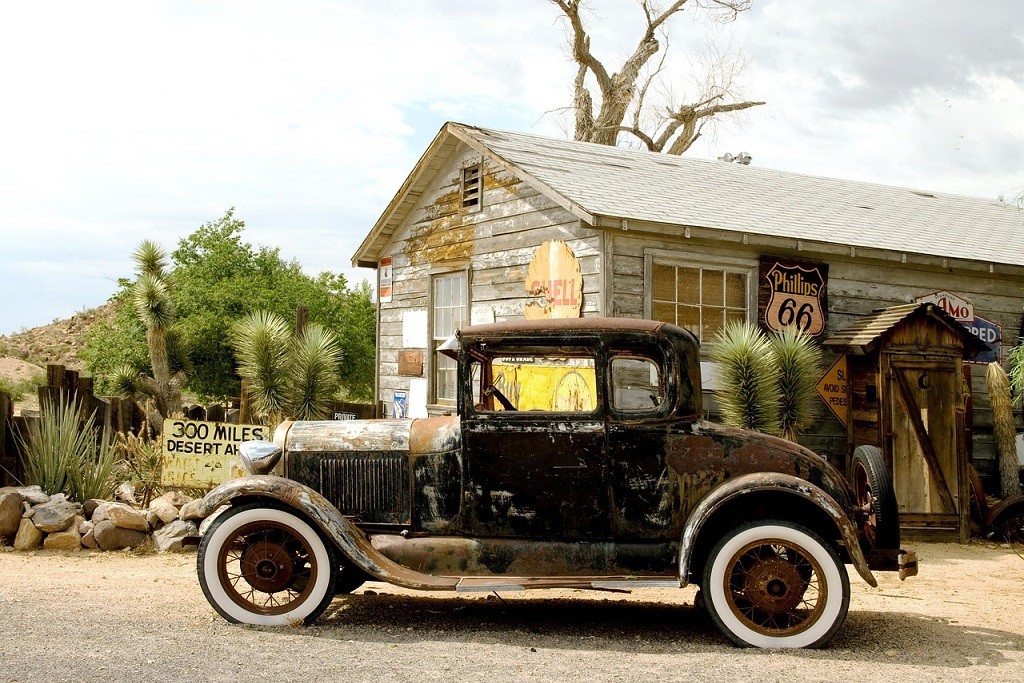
[259, 457]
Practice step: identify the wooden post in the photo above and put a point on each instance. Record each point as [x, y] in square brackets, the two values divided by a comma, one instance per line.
[301, 320]
[244, 410]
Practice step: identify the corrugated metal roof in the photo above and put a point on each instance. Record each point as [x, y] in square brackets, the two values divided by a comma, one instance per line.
[864, 335]
[644, 186]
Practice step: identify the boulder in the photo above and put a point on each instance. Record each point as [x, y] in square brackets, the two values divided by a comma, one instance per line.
[52, 517]
[28, 537]
[164, 510]
[89, 539]
[127, 517]
[89, 507]
[10, 514]
[170, 538]
[109, 536]
[69, 539]
[176, 498]
[190, 510]
[99, 514]
[34, 495]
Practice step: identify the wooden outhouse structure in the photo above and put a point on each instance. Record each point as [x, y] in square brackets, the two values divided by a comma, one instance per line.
[908, 398]
[493, 225]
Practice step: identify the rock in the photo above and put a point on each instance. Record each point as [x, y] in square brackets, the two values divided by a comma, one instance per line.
[127, 517]
[126, 492]
[28, 537]
[34, 495]
[10, 513]
[52, 517]
[164, 509]
[191, 510]
[63, 540]
[100, 513]
[89, 507]
[153, 521]
[109, 536]
[177, 498]
[170, 538]
[89, 539]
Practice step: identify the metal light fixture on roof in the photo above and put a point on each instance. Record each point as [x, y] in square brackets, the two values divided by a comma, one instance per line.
[741, 158]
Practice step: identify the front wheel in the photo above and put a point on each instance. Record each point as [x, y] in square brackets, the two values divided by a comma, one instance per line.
[266, 566]
[776, 584]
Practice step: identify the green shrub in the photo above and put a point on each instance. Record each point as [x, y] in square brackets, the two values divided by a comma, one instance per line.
[799, 363]
[749, 378]
[66, 454]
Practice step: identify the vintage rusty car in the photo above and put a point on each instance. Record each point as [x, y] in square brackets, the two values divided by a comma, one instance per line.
[576, 456]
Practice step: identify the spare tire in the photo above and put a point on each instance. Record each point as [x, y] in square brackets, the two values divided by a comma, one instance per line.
[872, 488]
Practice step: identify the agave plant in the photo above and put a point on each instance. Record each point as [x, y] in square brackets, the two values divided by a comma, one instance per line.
[286, 376]
[798, 361]
[749, 376]
[65, 454]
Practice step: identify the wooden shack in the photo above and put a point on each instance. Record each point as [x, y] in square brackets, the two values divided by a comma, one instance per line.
[469, 235]
[908, 398]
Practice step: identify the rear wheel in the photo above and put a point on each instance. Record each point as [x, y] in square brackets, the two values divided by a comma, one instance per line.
[776, 584]
[266, 566]
[872, 487]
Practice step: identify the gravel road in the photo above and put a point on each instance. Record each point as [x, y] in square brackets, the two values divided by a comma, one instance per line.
[124, 617]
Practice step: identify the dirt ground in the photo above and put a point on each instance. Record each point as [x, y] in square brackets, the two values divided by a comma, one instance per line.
[118, 616]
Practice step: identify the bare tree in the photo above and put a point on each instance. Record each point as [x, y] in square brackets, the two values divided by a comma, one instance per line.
[624, 94]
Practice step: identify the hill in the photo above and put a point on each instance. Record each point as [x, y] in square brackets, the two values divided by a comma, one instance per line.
[25, 355]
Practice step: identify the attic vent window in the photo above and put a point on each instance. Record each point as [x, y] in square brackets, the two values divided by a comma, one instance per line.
[472, 187]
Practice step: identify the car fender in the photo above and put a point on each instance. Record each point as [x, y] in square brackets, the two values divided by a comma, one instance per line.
[345, 535]
[770, 481]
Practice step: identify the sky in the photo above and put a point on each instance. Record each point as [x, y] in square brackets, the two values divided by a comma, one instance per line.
[129, 120]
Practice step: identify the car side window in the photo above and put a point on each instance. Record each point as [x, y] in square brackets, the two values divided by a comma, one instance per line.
[636, 384]
[530, 381]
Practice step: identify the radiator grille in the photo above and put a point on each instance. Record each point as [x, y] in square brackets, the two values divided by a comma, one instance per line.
[374, 487]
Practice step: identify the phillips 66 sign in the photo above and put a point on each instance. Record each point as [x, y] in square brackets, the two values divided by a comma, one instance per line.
[793, 293]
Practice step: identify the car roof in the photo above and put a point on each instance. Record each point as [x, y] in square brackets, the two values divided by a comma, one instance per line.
[564, 325]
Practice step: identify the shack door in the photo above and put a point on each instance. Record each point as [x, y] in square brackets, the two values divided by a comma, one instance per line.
[925, 396]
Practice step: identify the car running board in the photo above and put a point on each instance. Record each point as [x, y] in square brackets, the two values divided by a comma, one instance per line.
[486, 584]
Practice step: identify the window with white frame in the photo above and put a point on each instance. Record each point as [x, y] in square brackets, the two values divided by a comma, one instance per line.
[449, 297]
[701, 298]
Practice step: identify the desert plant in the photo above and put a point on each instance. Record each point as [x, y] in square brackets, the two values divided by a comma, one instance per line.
[1003, 429]
[798, 361]
[1015, 363]
[66, 454]
[287, 376]
[141, 458]
[749, 376]
[18, 388]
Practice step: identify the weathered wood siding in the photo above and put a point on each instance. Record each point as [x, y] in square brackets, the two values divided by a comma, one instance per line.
[495, 244]
[855, 288]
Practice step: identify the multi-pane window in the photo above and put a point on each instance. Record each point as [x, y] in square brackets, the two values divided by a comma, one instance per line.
[450, 293]
[697, 298]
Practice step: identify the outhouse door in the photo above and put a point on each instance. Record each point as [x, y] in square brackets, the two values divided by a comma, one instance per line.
[926, 430]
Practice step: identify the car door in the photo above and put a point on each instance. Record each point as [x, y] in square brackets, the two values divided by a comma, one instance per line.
[645, 495]
[534, 445]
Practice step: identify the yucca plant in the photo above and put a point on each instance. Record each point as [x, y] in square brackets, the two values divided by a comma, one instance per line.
[1015, 363]
[1003, 429]
[142, 463]
[798, 361]
[287, 377]
[64, 454]
[748, 397]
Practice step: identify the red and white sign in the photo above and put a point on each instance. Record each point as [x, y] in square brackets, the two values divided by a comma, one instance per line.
[960, 308]
[555, 276]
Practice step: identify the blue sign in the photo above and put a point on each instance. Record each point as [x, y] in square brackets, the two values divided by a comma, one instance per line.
[992, 335]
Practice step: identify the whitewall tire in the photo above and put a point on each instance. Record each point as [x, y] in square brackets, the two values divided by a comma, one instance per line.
[266, 566]
[776, 584]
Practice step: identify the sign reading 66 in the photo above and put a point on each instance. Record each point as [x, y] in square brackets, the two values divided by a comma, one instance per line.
[796, 298]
